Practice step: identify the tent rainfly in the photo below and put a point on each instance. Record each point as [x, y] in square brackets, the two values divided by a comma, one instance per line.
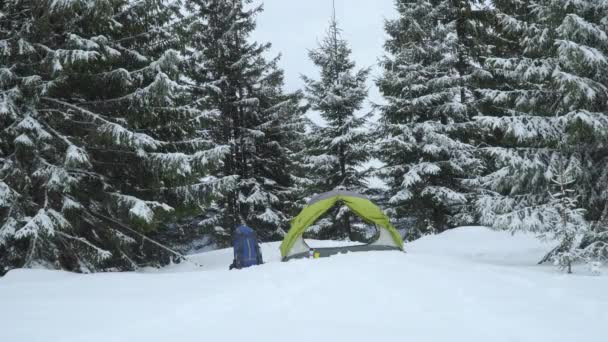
[294, 246]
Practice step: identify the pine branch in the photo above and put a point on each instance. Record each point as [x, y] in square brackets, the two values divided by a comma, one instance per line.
[133, 231]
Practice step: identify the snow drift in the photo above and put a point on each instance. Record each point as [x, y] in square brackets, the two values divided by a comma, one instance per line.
[470, 284]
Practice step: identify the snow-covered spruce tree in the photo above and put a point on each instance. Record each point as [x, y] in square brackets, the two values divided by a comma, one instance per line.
[99, 140]
[255, 119]
[431, 71]
[551, 92]
[336, 151]
[562, 219]
[594, 245]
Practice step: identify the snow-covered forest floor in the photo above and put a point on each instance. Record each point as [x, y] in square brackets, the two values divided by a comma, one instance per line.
[470, 284]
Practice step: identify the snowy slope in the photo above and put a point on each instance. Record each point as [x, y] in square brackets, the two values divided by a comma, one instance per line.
[470, 284]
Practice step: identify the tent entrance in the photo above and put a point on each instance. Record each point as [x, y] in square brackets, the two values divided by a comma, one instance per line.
[324, 252]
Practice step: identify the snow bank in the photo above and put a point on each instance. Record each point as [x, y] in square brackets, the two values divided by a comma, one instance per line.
[469, 285]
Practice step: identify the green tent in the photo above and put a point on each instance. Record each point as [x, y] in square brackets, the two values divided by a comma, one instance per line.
[294, 245]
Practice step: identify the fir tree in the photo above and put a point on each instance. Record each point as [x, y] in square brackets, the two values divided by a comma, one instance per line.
[254, 118]
[562, 219]
[100, 142]
[335, 152]
[549, 105]
[430, 74]
[594, 244]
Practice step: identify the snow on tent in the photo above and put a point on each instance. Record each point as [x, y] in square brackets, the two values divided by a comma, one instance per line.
[294, 246]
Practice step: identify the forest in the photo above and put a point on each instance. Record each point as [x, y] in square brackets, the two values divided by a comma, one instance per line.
[127, 125]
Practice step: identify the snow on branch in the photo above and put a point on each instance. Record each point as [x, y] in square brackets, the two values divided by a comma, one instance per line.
[60, 5]
[170, 163]
[100, 254]
[168, 63]
[261, 197]
[8, 230]
[401, 196]
[7, 195]
[575, 28]
[120, 136]
[444, 195]
[572, 54]
[527, 128]
[77, 157]
[414, 175]
[161, 91]
[182, 164]
[597, 122]
[512, 214]
[199, 192]
[577, 88]
[32, 126]
[140, 210]
[523, 128]
[82, 43]
[271, 217]
[205, 158]
[46, 222]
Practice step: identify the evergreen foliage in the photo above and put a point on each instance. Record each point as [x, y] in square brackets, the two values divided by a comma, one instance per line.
[594, 244]
[548, 105]
[431, 72]
[562, 219]
[336, 151]
[257, 122]
[96, 127]
[128, 121]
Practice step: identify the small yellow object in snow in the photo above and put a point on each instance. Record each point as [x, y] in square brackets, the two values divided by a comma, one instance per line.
[317, 255]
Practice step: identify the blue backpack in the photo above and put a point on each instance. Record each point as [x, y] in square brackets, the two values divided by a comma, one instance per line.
[246, 248]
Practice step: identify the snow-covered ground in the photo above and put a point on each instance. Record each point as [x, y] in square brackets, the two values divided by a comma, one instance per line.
[470, 284]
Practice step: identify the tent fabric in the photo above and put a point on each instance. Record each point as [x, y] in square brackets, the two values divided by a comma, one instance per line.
[320, 204]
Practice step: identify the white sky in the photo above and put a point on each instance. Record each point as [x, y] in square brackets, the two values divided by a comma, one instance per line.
[295, 26]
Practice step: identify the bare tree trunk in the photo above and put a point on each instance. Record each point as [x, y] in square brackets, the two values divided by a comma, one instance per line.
[549, 255]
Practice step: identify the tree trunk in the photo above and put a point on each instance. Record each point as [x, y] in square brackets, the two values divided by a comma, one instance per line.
[548, 256]
[462, 13]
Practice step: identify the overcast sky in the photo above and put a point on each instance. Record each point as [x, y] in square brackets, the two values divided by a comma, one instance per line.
[295, 26]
